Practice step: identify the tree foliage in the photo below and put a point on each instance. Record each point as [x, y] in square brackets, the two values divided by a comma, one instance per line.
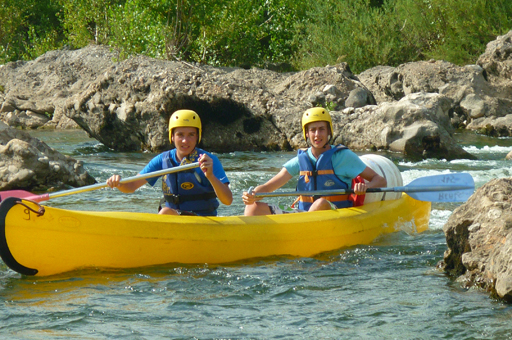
[363, 33]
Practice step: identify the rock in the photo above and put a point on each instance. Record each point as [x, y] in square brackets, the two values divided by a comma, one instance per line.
[473, 106]
[497, 62]
[477, 91]
[389, 83]
[7, 107]
[479, 239]
[493, 126]
[25, 119]
[509, 156]
[43, 85]
[27, 163]
[359, 97]
[240, 109]
[416, 126]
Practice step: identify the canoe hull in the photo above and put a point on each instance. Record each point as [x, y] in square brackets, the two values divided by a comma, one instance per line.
[62, 240]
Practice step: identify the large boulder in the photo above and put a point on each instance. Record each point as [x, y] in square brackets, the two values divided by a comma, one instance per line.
[479, 239]
[43, 85]
[497, 63]
[240, 109]
[481, 93]
[27, 163]
[416, 126]
[252, 109]
[434, 76]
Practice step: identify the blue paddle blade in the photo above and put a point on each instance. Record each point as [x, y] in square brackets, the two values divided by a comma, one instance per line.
[453, 187]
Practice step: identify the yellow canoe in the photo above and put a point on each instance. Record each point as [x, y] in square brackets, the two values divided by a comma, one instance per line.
[63, 240]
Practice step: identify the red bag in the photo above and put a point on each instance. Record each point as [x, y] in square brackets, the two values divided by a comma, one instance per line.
[358, 200]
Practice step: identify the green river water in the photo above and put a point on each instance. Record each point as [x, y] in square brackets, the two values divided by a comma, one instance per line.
[387, 290]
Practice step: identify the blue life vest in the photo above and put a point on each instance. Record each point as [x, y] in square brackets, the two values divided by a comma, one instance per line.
[320, 177]
[187, 190]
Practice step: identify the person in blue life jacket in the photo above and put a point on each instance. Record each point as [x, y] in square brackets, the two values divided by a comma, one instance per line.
[192, 192]
[321, 167]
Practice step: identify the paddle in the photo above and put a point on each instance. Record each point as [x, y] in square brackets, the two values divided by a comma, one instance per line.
[44, 197]
[453, 187]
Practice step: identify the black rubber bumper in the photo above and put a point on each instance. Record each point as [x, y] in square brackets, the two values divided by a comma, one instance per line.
[5, 252]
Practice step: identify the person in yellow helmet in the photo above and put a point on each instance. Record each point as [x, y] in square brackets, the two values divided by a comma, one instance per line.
[193, 192]
[321, 167]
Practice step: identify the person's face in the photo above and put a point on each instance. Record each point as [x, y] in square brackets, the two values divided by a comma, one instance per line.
[318, 134]
[185, 139]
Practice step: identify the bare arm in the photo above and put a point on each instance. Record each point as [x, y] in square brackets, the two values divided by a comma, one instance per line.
[374, 181]
[127, 188]
[222, 190]
[273, 184]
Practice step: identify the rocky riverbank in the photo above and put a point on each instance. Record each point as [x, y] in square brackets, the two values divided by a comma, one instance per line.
[412, 109]
[479, 239]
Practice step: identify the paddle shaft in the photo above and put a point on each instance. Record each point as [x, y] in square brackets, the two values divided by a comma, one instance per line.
[48, 196]
[452, 187]
[370, 190]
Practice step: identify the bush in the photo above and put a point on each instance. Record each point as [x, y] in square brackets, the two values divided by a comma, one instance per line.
[366, 34]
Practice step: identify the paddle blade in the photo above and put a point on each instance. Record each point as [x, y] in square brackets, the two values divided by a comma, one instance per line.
[22, 194]
[453, 187]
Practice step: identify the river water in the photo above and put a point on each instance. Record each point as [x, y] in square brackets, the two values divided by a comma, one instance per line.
[387, 290]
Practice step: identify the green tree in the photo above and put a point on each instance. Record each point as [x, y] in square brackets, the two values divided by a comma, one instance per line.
[88, 21]
[28, 28]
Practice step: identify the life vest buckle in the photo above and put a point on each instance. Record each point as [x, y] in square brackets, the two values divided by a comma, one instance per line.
[172, 198]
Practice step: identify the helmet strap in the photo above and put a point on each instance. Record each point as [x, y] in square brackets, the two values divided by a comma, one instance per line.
[329, 141]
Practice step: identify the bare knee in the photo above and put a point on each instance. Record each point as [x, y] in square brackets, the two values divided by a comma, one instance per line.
[167, 211]
[320, 204]
[257, 209]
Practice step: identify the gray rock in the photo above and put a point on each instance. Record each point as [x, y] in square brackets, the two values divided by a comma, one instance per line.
[497, 60]
[25, 119]
[416, 126]
[477, 91]
[479, 240]
[358, 97]
[493, 126]
[473, 106]
[27, 163]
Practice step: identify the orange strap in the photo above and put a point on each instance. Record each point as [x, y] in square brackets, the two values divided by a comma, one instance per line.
[296, 200]
[306, 174]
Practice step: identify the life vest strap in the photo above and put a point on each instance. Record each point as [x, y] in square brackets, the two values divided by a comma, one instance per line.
[179, 199]
[307, 174]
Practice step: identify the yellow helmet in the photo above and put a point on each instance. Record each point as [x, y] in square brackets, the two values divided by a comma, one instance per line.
[315, 114]
[185, 118]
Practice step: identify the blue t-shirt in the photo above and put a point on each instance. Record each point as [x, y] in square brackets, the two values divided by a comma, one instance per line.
[346, 164]
[156, 164]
